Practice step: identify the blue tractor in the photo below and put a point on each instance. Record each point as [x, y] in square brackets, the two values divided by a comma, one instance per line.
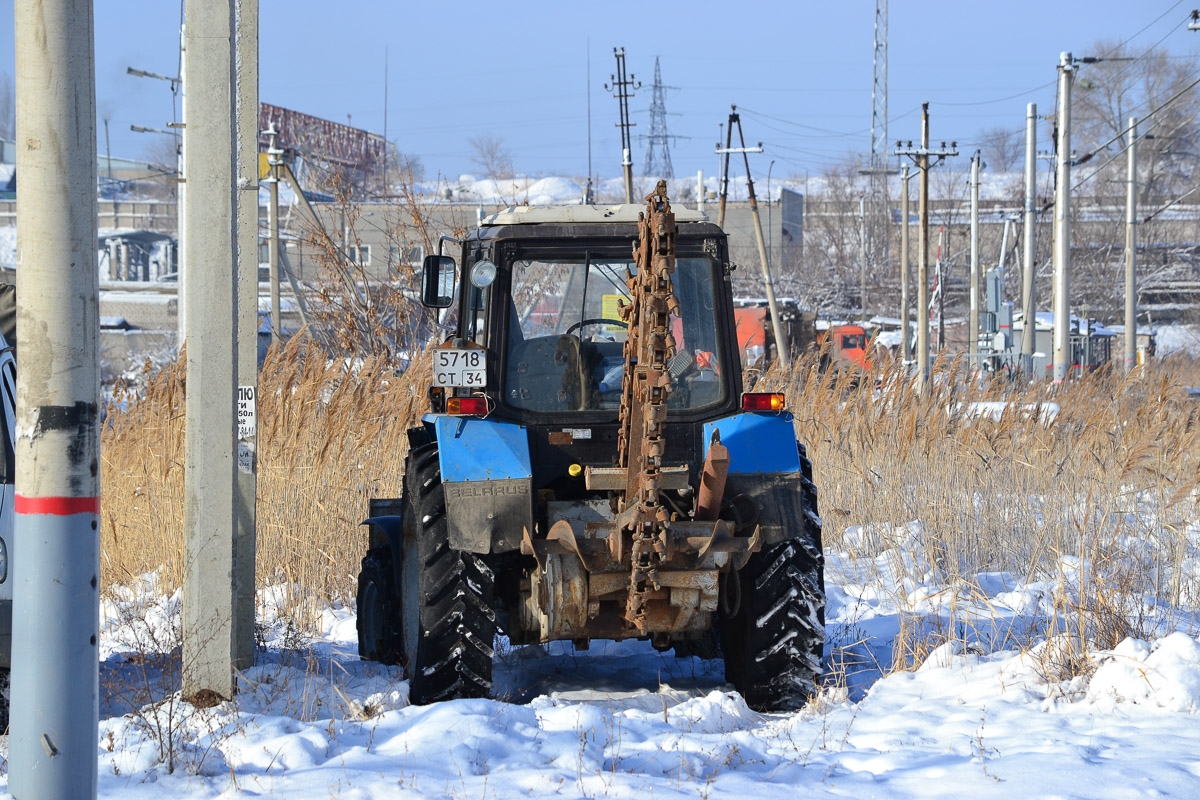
[590, 466]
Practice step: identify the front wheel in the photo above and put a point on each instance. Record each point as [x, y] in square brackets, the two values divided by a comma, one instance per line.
[450, 635]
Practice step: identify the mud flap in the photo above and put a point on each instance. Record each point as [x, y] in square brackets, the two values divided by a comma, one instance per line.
[488, 480]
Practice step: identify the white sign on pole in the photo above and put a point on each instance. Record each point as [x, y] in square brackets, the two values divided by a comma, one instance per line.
[247, 413]
[245, 457]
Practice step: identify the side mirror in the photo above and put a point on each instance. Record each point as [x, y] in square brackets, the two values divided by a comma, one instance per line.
[437, 281]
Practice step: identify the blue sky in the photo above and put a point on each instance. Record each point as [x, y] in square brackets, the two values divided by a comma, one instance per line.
[518, 71]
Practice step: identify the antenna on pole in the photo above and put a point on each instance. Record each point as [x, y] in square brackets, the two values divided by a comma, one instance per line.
[876, 239]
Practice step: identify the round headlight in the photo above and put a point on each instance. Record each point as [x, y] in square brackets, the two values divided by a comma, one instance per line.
[482, 274]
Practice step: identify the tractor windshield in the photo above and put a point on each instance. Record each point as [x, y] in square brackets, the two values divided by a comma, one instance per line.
[566, 337]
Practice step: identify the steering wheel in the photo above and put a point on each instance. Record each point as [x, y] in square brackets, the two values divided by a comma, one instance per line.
[595, 321]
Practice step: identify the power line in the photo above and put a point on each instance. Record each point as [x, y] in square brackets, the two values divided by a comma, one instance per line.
[1048, 84]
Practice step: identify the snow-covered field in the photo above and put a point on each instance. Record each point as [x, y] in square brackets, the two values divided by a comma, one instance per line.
[997, 709]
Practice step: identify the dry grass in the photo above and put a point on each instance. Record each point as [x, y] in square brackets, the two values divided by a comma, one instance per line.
[1096, 501]
[331, 436]
[1113, 480]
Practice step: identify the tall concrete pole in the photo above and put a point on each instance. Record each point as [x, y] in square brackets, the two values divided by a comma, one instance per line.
[905, 332]
[923, 256]
[1029, 283]
[1131, 251]
[862, 257]
[627, 170]
[246, 242]
[54, 711]
[181, 199]
[973, 320]
[273, 153]
[211, 631]
[1062, 224]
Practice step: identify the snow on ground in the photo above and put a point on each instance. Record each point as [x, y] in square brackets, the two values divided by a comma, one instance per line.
[996, 709]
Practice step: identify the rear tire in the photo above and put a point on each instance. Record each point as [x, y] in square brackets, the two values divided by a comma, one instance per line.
[378, 609]
[773, 644]
[5, 697]
[456, 622]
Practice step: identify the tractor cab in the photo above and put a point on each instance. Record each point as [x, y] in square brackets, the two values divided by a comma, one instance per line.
[539, 293]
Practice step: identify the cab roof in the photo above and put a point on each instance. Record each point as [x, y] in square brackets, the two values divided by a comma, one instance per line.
[619, 213]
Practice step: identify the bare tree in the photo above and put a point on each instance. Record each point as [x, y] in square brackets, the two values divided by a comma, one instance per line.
[1155, 88]
[492, 155]
[1109, 92]
[828, 279]
[162, 155]
[1002, 147]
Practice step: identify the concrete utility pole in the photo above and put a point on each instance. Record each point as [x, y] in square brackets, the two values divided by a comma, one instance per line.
[921, 156]
[923, 256]
[1131, 251]
[245, 20]
[181, 198]
[1029, 283]
[905, 331]
[862, 257]
[1062, 224]
[54, 711]
[272, 180]
[215, 618]
[973, 322]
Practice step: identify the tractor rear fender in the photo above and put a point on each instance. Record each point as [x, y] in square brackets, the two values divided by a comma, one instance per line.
[389, 529]
[488, 480]
[764, 468]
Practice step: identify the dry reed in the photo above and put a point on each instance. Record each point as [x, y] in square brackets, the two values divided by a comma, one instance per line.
[1112, 481]
[331, 436]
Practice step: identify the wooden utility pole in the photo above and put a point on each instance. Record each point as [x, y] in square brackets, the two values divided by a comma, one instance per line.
[921, 156]
[623, 87]
[781, 344]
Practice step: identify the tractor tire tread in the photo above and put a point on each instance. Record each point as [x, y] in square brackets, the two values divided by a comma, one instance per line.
[456, 588]
[773, 645]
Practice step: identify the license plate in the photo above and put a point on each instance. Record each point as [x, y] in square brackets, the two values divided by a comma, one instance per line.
[460, 368]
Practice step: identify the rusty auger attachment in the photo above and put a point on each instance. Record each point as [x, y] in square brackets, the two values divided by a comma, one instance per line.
[647, 384]
[647, 572]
